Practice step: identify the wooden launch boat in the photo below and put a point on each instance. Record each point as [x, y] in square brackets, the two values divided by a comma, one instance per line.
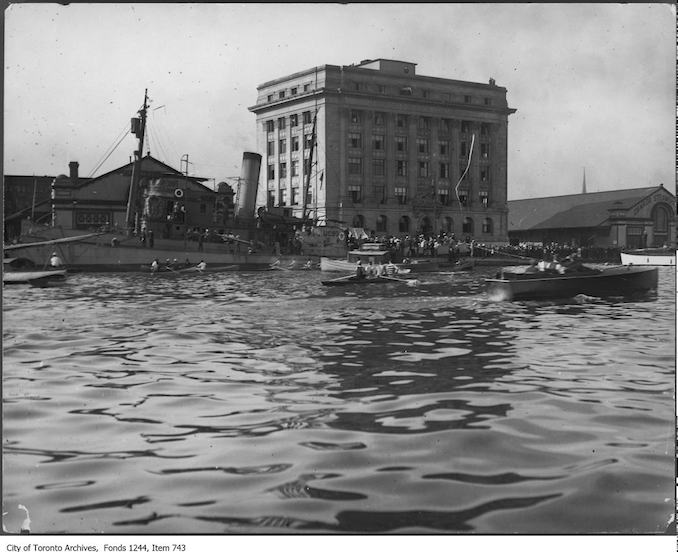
[614, 281]
[355, 281]
[658, 256]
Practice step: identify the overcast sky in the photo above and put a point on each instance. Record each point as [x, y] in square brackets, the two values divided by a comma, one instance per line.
[594, 84]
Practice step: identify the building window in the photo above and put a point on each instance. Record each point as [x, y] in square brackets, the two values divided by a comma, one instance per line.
[425, 93]
[270, 126]
[444, 147]
[467, 226]
[307, 87]
[485, 151]
[444, 196]
[401, 121]
[488, 101]
[467, 99]
[463, 149]
[294, 168]
[449, 225]
[406, 91]
[378, 167]
[378, 142]
[359, 221]
[283, 198]
[379, 190]
[354, 140]
[484, 129]
[281, 123]
[444, 170]
[401, 195]
[463, 197]
[422, 145]
[282, 146]
[354, 193]
[423, 168]
[483, 198]
[424, 123]
[401, 144]
[487, 226]
[270, 97]
[270, 202]
[306, 115]
[445, 126]
[404, 225]
[484, 174]
[293, 91]
[355, 116]
[356, 86]
[382, 223]
[283, 170]
[294, 120]
[378, 119]
[295, 196]
[281, 94]
[271, 172]
[355, 165]
[381, 88]
[270, 148]
[295, 143]
[401, 167]
[308, 141]
[465, 127]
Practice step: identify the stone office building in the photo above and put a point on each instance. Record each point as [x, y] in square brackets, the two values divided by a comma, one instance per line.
[396, 153]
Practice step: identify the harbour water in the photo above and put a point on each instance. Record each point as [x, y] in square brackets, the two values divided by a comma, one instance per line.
[268, 403]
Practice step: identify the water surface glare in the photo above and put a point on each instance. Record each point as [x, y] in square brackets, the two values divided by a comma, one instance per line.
[268, 403]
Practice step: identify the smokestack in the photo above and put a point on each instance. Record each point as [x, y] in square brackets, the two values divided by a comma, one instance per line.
[249, 182]
[73, 166]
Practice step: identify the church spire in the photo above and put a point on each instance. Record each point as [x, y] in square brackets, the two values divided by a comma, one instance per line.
[583, 185]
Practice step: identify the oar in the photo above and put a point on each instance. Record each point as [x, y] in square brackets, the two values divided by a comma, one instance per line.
[401, 280]
[342, 278]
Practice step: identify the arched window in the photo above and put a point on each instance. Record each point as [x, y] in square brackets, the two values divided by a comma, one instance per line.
[487, 226]
[404, 225]
[358, 221]
[660, 220]
[467, 227]
[382, 223]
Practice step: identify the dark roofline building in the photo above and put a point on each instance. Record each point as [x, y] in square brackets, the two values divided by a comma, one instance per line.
[633, 218]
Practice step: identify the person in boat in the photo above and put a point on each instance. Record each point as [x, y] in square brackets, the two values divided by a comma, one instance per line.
[155, 265]
[532, 268]
[55, 261]
[390, 269]
[308, 265]
[360, 273]
[202, 265]
[371, 269]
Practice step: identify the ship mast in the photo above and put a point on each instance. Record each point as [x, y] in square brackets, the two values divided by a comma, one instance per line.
[138, 128]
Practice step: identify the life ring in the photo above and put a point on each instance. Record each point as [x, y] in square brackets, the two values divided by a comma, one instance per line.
[342, 236]
[178, 193]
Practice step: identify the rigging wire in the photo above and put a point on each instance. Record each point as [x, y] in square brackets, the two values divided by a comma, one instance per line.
[119, 139]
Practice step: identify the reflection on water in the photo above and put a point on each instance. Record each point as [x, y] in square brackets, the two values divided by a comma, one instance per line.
[268, 403]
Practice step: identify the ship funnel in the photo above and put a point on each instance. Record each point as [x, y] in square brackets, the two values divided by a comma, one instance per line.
[249, 182]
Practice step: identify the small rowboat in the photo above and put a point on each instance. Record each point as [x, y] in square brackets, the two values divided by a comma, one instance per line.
[649, 257]
[355, 281]
[33, 277]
